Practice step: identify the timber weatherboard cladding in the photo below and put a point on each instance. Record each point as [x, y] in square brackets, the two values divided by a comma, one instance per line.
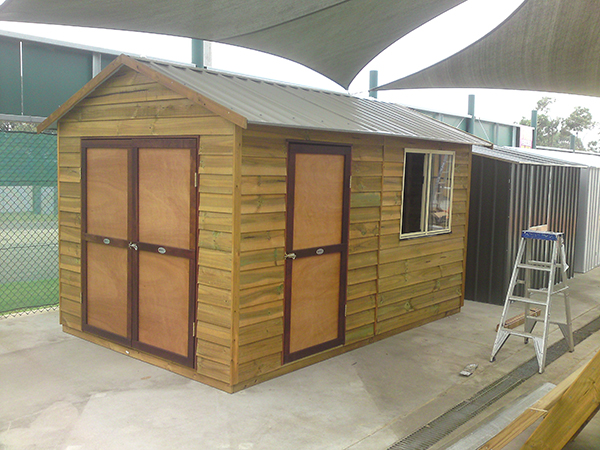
[393, 285]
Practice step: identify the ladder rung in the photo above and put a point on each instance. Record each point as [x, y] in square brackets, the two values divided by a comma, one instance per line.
[516, 298]
[535, 267]
[545, 290]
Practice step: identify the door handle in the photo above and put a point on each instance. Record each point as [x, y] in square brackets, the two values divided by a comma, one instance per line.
[133, 245]
[290, 256]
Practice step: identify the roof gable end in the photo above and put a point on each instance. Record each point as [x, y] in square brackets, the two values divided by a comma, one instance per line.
[174, 85]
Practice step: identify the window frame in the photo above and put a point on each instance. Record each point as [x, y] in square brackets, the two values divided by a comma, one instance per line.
[427, 194]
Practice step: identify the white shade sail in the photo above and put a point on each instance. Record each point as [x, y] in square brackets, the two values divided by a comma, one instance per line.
[337, 38]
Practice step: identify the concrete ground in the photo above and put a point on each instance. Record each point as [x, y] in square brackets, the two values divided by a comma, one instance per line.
[60, 392]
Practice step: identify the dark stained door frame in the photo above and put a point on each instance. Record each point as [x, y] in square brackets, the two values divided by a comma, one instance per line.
[132, 244]
[293, 254]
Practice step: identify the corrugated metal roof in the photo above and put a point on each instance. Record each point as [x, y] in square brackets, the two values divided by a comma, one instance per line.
[585, 159]
[517, 155]
[267, 102]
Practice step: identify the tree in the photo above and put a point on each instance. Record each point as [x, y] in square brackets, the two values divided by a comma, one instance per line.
[556, 132]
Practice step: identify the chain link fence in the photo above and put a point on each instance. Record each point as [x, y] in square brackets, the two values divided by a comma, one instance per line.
[28, 222]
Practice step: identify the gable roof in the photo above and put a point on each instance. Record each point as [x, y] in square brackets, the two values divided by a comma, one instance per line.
[520, 155]
[244, 100]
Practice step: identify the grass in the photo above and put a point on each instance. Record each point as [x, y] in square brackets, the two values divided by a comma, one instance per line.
[21, 295]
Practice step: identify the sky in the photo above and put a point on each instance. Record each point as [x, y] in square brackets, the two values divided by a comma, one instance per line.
[434, 41]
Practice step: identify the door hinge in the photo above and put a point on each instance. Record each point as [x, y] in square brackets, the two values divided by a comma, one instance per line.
[194, 329]
[345, 310]
[195, 179]
[350, 182]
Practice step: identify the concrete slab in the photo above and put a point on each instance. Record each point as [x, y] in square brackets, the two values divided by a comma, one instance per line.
[60, 392]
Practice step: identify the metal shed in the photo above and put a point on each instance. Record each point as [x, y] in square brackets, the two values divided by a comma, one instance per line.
[587, 242]
[513, 189]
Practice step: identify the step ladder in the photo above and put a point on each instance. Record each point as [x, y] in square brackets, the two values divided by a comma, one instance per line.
[556, 275]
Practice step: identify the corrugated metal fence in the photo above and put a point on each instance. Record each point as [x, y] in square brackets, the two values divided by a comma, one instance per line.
[28, 223]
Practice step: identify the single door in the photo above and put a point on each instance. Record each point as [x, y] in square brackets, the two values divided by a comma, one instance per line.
[139, 239]
[316, 248]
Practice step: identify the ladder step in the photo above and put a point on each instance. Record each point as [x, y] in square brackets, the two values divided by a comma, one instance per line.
[545, 290]
[534, 267]
[522, 334]
[516, 298]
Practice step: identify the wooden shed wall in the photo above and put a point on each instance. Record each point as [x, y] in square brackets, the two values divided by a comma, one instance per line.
[393, 284]
[130, 104]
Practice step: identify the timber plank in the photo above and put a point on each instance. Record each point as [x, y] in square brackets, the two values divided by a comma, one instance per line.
[418, 316]
[212, 369]
[261, 277]
[217, 145]
[361, 230]
[576, 406]
[215, 164]
[260, 349]
[262, 240]
[253, 204]
[261, 295]
[211, 221]
[214, 277]
[359, 215]
[361, 290]
[360, 319]
[215, 240]
[361, 304]
[70, 277]
[258, 367]
[70, 234]
[418, 263]
[214, 315]
[214, 296]
[261, 330]
[262, 258]
[259, 166]
[361, 333]
[406, 293]
[367, 168]
[362, 274]
[263, 222]
[69, 189]
[262, 185]
[213, 125]
[420, 302]
[358, 260]
[213, 333]
[366, 184]
[365, 199]
[215, 184]
[361, 245]
[214, 352]
[411, 278]
[215, 258]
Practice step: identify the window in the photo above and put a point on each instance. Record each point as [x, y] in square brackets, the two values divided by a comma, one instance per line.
[427, 192]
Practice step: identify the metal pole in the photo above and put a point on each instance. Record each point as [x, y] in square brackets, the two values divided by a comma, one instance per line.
[198, 52]
[534, 125]
[572, 142]
[372, 83]
[471, 113]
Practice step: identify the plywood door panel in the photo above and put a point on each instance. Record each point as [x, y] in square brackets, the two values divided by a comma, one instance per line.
[164, 197]
[163, 302]
[107, 288]
[317, 248]
[318, 200]
[106, 187]
[315, 301]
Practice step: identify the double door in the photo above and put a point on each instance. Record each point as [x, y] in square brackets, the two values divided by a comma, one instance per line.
[138, 243]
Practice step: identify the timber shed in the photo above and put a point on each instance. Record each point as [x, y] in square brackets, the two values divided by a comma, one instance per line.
[234, 229]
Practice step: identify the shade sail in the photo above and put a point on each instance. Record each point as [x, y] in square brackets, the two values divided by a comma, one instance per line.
[337, 38]
[545, 45]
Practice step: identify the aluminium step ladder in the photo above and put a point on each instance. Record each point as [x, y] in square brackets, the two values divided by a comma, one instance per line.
[555, 271]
